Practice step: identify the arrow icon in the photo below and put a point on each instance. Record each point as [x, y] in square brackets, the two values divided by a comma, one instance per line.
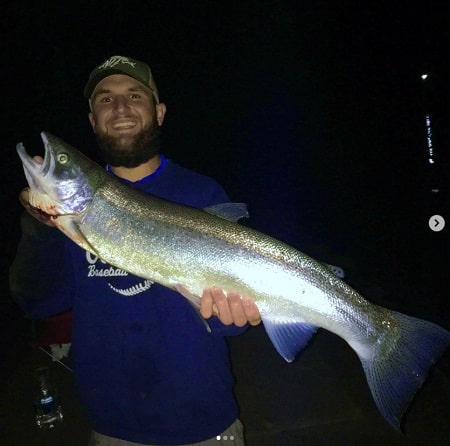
[436, 223]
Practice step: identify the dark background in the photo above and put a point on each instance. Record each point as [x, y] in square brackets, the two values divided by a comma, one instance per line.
[312, 112]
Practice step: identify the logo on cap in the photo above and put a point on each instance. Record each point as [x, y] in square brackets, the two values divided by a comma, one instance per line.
[115, 60]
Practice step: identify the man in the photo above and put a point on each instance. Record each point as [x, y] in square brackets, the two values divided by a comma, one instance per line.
[147, 370]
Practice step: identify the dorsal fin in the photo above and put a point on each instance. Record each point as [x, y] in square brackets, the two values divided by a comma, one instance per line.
[228, 211]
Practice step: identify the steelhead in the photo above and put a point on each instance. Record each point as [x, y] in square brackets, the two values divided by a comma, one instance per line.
[182, 247]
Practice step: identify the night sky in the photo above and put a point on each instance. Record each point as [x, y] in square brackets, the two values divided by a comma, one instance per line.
[311, 112]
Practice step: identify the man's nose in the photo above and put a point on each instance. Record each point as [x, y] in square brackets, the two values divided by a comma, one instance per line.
[120, 103]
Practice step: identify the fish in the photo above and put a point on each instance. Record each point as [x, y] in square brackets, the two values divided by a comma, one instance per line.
[188, 249]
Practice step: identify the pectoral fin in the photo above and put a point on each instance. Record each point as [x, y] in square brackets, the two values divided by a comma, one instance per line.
[70, 228]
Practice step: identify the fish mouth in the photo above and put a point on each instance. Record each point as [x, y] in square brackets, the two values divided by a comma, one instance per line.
[58, 184]
[35, 171]
[41, 179]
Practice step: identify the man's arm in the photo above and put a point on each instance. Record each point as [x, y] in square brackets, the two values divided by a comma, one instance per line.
[39, 280]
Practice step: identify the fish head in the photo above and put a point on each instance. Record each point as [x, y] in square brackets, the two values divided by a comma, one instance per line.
[59, 185]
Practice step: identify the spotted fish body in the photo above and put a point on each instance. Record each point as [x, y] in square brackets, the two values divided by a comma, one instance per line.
[192, 249]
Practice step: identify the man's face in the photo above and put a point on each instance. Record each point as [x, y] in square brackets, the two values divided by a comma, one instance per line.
[125, 120]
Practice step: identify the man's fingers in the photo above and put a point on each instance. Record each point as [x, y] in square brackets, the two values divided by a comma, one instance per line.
[206, 304]
[230, 308]
[251, 311]
[43, 217]
[237, 309]
[223, 308]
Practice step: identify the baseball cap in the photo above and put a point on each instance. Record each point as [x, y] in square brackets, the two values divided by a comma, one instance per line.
[121, 65]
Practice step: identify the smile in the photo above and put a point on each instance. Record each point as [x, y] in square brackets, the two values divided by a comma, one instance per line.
[123, 125]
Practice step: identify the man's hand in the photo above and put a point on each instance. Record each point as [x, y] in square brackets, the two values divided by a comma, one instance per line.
[230, 309]
[24, 198]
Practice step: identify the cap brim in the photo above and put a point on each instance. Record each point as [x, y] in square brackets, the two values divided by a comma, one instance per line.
[94, 81]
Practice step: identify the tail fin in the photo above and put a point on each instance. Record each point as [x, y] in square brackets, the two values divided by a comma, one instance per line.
[400, 366]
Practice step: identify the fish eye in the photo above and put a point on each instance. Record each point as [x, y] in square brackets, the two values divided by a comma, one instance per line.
[63, 158]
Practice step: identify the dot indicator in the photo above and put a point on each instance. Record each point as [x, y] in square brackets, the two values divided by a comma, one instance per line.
[225, 437]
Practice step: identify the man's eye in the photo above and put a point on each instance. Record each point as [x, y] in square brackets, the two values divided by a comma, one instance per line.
[135, 96]
[105, 100]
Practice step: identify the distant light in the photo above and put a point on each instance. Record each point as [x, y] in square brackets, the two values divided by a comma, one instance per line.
[429, 139]
[435, 191]
[424, 76]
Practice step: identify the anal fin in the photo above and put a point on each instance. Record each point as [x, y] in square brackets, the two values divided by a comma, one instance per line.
[288, 336]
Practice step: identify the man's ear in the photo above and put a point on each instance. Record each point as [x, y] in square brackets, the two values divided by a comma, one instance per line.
[160, 112]
[92, 120]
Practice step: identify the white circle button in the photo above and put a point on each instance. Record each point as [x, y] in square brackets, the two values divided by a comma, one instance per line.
[436, 223]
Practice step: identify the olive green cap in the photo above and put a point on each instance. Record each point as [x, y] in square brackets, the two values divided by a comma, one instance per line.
[121, 65]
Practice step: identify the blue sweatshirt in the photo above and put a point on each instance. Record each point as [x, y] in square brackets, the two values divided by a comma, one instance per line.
[146, 368]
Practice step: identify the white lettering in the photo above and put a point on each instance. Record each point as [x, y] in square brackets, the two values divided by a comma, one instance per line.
[110, 271]
[105, 272]
[114, 60]
[91, 259]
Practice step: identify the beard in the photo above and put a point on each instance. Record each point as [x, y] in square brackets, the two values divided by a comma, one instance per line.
[130, 151]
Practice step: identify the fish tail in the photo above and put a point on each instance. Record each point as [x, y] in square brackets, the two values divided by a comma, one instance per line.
[398, 367]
